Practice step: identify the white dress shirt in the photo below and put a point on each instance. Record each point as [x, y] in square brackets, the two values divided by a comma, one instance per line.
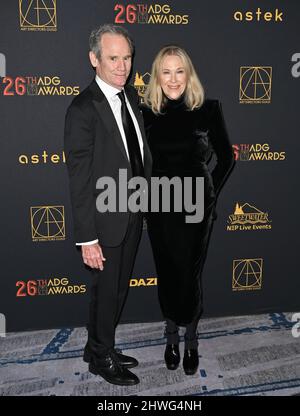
[115, 105]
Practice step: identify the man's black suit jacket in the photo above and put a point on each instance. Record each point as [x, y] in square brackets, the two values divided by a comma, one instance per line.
[93, 149]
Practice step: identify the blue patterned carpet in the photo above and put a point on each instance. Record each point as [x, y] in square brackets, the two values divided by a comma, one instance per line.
[239, 356]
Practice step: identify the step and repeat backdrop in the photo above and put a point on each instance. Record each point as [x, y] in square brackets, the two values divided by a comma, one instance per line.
[247, 55]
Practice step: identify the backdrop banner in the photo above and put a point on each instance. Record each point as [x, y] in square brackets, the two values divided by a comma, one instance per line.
[247, 55]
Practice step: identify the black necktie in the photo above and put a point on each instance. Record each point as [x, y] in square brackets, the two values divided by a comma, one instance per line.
[132, 139]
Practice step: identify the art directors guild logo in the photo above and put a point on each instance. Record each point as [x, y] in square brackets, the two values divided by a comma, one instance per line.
[246, 217]
[38, 15]
[247, 274]
[246, 152]
[48, 223]
[255, 84]
[137, 13]
[48, 287]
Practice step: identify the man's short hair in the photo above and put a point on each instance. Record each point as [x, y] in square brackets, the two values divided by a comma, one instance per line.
[96, 35]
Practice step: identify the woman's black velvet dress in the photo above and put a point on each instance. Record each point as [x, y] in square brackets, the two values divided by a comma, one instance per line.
[182, 143]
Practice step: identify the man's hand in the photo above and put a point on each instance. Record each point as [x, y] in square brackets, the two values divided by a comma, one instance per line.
[92, 256]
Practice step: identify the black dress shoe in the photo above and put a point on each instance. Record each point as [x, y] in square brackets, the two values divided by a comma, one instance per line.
[125, 360]
[172, 356]
[190, 361]
[109, 368]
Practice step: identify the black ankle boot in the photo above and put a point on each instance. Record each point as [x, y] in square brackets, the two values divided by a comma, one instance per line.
[190, 361]
[172, 354]
[191, 358]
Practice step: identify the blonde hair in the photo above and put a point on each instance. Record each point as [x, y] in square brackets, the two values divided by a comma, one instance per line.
[194, 92]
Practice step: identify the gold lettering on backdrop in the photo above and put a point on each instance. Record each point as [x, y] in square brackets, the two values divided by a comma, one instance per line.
[44, 158]
[150, 281]
[258, 15]
[247, 217]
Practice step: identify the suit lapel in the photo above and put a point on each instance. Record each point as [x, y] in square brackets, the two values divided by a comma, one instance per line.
[105, 113]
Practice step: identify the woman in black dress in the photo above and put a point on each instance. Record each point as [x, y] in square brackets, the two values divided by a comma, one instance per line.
[183, 131]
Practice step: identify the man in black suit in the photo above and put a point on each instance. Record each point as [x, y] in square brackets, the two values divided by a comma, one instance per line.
[104, 133]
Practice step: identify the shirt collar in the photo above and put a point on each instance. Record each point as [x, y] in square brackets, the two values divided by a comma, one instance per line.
[107, 89]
